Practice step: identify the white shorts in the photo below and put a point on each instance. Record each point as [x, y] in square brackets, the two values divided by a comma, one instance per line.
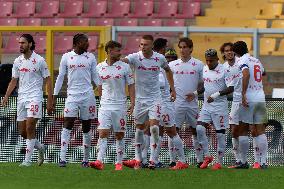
[27, 109]
[145, 110]
[115, 119]
[220, 119]
[167, 114]
[234, 117]
[187, 115]
[85, 103]
[254, 114]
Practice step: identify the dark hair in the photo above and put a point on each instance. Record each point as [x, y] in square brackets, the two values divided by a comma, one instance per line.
[78, 37]
[112, 44]
[148, 37]
[159, 44]
[240, 48]
[187, 41]
[30, 39]
[222, 48]
[211, 53]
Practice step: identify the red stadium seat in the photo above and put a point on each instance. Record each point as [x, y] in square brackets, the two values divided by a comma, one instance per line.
[63, 44]
[80, 22]
[167, 9]
[31, 22]
[48, 9]
[93, 43]
[96, 9]
[6, 9]
[25, 9]
[12, 45]
[152, 22]
[72, 9]
[8, 21]
[40, 43]
[128, 22]
[175, 22]
[54, 22]
[131, 45]
[119, 9]
[104, 22]
[189, 10]
[143, 9]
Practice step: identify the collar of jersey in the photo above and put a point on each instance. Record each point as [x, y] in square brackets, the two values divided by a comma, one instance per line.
[75, 54]
[32, 56]
[142, 56]
[106, 64]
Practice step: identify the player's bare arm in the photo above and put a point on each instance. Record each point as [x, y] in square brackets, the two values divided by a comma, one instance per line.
[49, 97]
[170, 78]
[125, 60]
[10, 89]
[245, 83]
[131, 90]
[200, 90]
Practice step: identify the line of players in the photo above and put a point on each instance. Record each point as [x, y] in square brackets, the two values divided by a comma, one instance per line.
[164, 94]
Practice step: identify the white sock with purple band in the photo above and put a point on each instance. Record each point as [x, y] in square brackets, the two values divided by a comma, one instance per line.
[263, 147]
[198, 149]
[87, 139]
[30, 149]
[145, 148]
[139, 140]
[221, 142]
[235, 143]
[172, 150]
[119, 151]
[244, 147]
[102, 146]
[255, 150]
[154, 140]
[202, 139]
[65, 138]
[179, 148]
[38, 145]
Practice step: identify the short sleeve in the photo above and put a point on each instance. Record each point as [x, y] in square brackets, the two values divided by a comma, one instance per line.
[94, 70]
[15, 70]
[99, 79]
[132, 58]
[129, 75]
[164, 62]
[200, 72]
[44, 69]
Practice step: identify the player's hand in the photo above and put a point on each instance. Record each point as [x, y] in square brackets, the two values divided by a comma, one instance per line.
[190, 97]
[210, 99]
[4, 101]
[173, 95]
[49, 106]
[244, 101]
[130, 109]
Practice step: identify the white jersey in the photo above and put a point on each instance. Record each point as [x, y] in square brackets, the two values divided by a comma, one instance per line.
[113, 80]
[147, 86]
[255, 91]
[30, 73]
[81, 71]
[164, 86]
[235, 75]
[215, 81]
[186, 75]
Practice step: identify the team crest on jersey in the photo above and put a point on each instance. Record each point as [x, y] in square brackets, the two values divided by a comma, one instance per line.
[34, 61]
[118, 67]
[71, 57]
[194, 64]
[87, 56]
[156, 59]
[177, 64]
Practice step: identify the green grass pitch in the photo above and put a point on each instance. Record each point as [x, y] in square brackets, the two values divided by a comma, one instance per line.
[53, 177]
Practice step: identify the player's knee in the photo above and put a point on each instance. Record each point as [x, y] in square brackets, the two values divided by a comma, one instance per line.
[193, 131]
[221, 131]
[200, 129]
[86, 126]
[30, 129]
[171, 131]
[68, 123]
[119, 135]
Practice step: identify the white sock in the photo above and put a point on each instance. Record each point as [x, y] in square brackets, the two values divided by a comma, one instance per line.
[145, 148]
[159, 148]
[244, 147]
[139, 140]
[154, 140]
[235, 142]
[172, 150]
[255, 150]
[263, 147]
[197, 148]
[119, 150]
[87, 139]
[102, 145]
[29, 150]
[38, 145]
[65, 138]
[202, 139]
[179, 148]
[221, 146]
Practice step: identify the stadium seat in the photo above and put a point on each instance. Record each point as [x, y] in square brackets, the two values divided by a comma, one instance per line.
[131, 45]
[175, 22]
[280, 51]
[267, 45]
[152, 22]
[142, 9]
[79, 22]
[8, 21]
[24, 9]
[277, 24]
[104, 22]
[31, 22]
[96, 9]
[48, 9]
[63, 44]
[128, 22]
[276, 1]
[93, 43]
[6, 9]
[12, 45]
[189, 10]
[257, 24]
[166, 9]
[72, 8]
[270, 11]
[54, 22]
[40, 42]
[118, 9]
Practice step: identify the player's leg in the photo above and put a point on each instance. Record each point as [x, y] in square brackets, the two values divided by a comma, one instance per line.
[146, 145]
[161, 135]
[22, 129]
[119, 150]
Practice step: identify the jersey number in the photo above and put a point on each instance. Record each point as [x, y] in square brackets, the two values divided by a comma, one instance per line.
[122, 122]
[34, 108]
[92, 109]
[257, 73]
[221, 119]
[166, 118]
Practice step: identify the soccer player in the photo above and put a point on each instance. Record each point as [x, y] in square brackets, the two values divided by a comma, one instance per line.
[253, 109]
[114, 75]
[214, 108]
[171, 55]
[147, 64]
[80, 66]
[234, 73]
[31, 71]
[188, 73]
